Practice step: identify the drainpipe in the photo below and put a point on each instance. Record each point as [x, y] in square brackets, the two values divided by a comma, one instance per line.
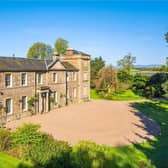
[66, 91]
[35, 82]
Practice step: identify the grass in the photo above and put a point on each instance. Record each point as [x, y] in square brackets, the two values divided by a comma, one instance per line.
[125, 95]
[156, 149]
[7, 161]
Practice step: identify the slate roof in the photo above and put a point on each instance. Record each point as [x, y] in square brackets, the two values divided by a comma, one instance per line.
[79, 52]
[15, 64]
[69, 66]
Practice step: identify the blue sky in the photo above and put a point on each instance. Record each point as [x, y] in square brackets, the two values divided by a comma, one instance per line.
[110, 29]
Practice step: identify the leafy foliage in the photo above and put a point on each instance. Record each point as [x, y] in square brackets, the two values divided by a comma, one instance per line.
[127, 62]
[96, 65]
[27, 134]
[165, 88]
[40, 51]
[88, 154]
[61, 45]
[50, 153]
[156, 82]
[107, 79]
[5, 139]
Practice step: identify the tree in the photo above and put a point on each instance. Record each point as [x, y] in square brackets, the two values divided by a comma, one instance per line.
[167, 62]
[156, 81]
[107, 79]
[166, 37]
[165, 88]
[40, 50]
[96, 64]
[127, 63]
[61, 45]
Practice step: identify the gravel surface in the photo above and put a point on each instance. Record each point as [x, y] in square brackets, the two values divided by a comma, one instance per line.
[112, 123]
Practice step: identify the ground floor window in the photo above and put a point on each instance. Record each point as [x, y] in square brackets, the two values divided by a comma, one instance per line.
[56, 97]
[8, 106]
[24, 103]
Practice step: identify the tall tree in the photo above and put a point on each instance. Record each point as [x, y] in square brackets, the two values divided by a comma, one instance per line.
[107, 79]
[166, 37]
[96, 64]
[40, 50]
[61, 45]
[167, 62]
[127, 63]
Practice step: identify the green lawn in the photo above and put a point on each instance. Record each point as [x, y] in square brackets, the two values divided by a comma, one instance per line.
[125, 95]
[7, 161]
[157, 149]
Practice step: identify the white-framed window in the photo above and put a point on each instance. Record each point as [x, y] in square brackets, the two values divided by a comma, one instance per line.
[9, 106]
[85, 76]
[74, 92]
[39, 78]
[24, 79]
[8, 80]
[55, 77]
[74, 76]
[24, 103]
[56, 97]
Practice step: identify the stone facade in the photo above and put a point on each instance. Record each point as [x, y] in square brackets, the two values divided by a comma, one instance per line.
[60, 82]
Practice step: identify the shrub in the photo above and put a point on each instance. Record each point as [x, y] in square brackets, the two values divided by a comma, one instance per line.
[5, 139]
[165, 88]
[156, 81]
[50, 153]
[25, 136]
[87, 155]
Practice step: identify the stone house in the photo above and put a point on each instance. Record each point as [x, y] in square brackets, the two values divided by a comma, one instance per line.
[30, 86]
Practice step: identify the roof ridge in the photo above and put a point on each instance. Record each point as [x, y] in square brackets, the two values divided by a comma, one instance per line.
[7, 57]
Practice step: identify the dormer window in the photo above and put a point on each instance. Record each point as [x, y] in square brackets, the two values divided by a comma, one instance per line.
[8, 80]
[24, 79]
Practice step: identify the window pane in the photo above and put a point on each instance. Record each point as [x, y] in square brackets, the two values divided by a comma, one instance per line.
[23, 78]
[8, 80]
[24, 102]
[8, 105]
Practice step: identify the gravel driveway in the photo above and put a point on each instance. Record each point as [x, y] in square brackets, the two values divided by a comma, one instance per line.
[104, 122]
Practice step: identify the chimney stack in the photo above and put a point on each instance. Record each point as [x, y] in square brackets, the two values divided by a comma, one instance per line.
[55, 56]
[69, 51]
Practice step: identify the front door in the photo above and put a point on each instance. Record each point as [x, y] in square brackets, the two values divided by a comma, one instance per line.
[43, 96]
[43, 102]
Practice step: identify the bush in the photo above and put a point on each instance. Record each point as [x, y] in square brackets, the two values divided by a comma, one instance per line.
[26, 136]
[156, 81]
[50, 153]
[87, 155]
[5, 139]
